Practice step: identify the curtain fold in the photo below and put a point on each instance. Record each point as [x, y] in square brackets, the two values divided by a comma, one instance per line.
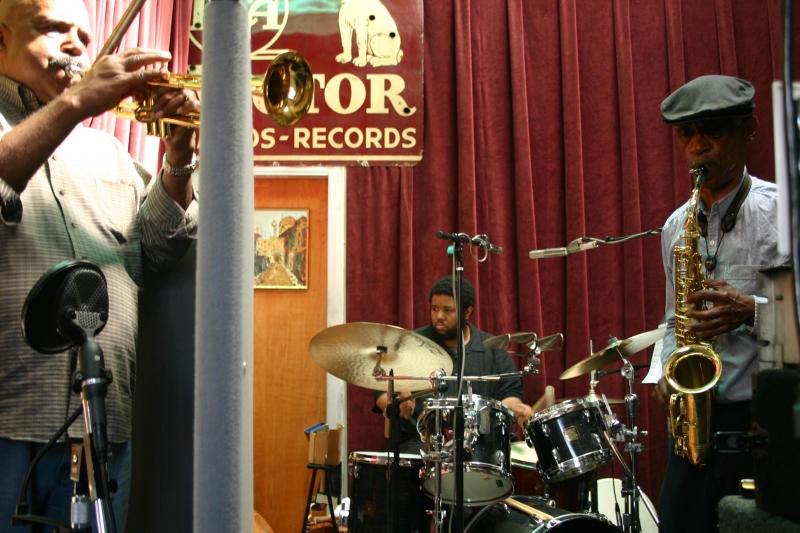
[542, 126]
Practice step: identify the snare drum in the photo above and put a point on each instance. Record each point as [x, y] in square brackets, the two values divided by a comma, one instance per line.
[369, 493]
[487, 453]
[569, 439]
[501, 518]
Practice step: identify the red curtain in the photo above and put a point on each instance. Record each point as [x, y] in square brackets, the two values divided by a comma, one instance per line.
[542, 126]
[147, 31]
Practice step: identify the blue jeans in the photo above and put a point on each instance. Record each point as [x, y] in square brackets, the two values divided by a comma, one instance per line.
[50, 488]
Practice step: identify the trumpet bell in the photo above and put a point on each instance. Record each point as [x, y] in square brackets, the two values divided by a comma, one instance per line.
[287, 89]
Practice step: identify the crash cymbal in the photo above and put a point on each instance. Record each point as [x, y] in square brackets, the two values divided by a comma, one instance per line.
[614, 352]
[349, 352]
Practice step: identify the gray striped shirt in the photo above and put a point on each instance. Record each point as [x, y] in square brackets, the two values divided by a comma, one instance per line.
[88, 201]
[752, 245]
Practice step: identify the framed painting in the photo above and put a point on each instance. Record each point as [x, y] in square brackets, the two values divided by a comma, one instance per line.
[281, 249]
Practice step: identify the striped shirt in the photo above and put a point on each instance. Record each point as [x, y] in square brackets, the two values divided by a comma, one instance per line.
[752, 245]
[88, 201]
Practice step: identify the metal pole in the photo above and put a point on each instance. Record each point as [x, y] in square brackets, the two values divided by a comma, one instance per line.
[223, 441]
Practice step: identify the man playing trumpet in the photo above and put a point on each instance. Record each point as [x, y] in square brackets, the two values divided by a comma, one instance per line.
[69, 192]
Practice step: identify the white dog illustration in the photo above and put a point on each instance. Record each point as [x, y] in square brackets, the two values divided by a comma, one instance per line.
[377, 38]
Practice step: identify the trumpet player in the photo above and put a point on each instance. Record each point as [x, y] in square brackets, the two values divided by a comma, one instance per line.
[714, 122]
[70, 192]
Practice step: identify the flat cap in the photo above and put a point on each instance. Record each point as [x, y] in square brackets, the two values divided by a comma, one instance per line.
[709, 97]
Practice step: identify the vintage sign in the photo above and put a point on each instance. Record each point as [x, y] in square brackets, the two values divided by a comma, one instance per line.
[367, 62]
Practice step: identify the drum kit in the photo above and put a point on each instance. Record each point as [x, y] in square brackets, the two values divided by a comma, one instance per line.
[564, 442]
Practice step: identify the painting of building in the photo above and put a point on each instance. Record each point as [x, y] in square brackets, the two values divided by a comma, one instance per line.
[281, 249]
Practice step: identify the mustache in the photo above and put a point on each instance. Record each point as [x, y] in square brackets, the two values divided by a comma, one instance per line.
[707, 161]
[64, 62]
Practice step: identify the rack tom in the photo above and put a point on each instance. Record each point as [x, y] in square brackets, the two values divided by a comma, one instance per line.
[569, 439]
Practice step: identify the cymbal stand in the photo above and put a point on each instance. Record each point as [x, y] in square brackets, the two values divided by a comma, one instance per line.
[438, 514]
[630, 484]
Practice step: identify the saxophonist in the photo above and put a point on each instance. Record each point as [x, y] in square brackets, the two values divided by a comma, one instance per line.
[714, 122]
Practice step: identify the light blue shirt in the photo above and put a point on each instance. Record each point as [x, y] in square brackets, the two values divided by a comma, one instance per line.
[752, 245]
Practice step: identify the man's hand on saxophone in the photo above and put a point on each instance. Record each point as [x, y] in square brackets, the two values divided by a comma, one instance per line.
[661, 394]
[730, 309]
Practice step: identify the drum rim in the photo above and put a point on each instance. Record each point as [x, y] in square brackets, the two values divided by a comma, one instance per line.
[507, 476]
[585, 461]
[563, 408]
[384, 458]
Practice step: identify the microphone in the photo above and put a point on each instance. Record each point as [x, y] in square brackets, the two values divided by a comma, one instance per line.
[578, 245]
[483, 242]
[455, 237]
[548, 252]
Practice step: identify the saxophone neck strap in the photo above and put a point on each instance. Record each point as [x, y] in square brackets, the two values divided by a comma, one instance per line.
[729, 219]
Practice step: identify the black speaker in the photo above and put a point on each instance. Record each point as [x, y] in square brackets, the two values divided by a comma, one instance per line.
[777, 466]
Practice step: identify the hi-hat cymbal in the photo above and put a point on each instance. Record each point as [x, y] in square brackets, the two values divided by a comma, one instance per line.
[614, 352]
[350, 351]
[545, 344]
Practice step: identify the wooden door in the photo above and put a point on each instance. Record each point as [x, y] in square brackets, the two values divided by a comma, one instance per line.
[289, 387]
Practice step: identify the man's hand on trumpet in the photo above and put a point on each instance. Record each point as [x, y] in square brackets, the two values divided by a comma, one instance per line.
[113, 78]
[180, 146]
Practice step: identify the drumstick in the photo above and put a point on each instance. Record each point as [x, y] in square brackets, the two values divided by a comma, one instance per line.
[550, 392]
[547, 399]
[527, 509]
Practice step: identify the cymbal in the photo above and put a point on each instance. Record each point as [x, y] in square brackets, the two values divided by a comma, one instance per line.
[523, 456]
[349, 352]
[614, 352]
[545, 344]
[501, 342]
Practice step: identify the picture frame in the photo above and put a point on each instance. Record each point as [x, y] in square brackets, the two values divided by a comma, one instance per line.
[280, 255]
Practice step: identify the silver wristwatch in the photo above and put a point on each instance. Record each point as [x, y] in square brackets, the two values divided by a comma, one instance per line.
[179, 171]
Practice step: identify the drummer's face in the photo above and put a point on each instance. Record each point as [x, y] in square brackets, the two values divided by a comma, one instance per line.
[443, 315]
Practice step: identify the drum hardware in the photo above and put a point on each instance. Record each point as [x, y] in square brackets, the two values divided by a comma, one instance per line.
[614, 430]
[629, 435]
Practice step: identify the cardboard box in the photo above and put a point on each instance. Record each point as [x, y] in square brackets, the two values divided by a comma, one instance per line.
[324, 444]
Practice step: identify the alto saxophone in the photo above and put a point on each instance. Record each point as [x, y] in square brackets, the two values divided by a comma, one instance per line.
[693, 368]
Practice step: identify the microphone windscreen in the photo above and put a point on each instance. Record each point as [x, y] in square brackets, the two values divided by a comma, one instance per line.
[83, 296]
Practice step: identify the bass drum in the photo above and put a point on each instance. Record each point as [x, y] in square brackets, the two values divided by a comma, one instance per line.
[502, 518]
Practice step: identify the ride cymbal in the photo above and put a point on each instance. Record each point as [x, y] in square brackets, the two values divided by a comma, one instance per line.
[350, 352]
[614, 352]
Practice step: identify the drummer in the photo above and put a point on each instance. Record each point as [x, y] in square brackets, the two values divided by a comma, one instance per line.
[479, 361]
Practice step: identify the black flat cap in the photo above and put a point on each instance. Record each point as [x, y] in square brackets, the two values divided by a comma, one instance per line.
[709, 97]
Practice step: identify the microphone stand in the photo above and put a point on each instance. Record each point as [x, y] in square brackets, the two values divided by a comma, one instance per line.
[457, 520]
[92, 380]
[458, 488]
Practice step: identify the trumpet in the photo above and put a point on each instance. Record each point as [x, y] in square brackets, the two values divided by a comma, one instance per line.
[286, 91]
